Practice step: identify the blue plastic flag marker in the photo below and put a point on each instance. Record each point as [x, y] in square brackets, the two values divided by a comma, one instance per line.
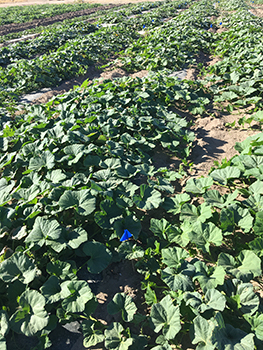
[211, 25]
[152, 20]
[125, 236]
[220, 23]
[143, 26]
[97, 26]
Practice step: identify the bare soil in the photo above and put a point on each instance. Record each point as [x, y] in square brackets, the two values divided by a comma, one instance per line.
[257, 10]
[215, 141]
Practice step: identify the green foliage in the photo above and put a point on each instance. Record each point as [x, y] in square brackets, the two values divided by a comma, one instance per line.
[31, 316]
[166, 317]
[122, 303]
[79, 171]
[100, 256]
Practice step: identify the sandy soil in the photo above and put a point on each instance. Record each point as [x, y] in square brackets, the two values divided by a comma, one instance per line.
[257, 10]
[215, 141]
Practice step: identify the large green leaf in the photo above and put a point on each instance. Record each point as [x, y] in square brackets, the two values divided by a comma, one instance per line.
[177, 281]
[256, 187]
[122, 303]
[56, 176]
[18, 266]
[91, 335]
[73, 153]
[31, 315]
[247, 265]
[213, 300]
[45, 231]
[174, 256]
[223, 175]
[202, 333]
[6, 215]
[82, 201]
[61, 269]
[166, 317]
[70, 239]
[192, 213]
[110, 212]
[198, 186]
[208, 277]
[256, 322]
[159, 227]
[257, 246]
[51, 290]
[173, 204]
[5, 190]
[254, 202]
[148, 198]
[203, 235]
[126, 171]
[214, 334]
[114, 338]
[241, 296]
[162, 228]
[230, 338]
[234, 215]
[214, 198]
[258, 225]
[45, 159]
[75, 294]
[100, 256]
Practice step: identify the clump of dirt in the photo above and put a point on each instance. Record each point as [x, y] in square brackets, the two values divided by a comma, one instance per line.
[215, 141]
[221, 30]
[258, 11]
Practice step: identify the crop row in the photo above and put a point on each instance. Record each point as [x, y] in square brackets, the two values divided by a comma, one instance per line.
[79, 172]
[81, 189]
[20, 14]
[50, 69]
[66, 23]
[55, 37]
